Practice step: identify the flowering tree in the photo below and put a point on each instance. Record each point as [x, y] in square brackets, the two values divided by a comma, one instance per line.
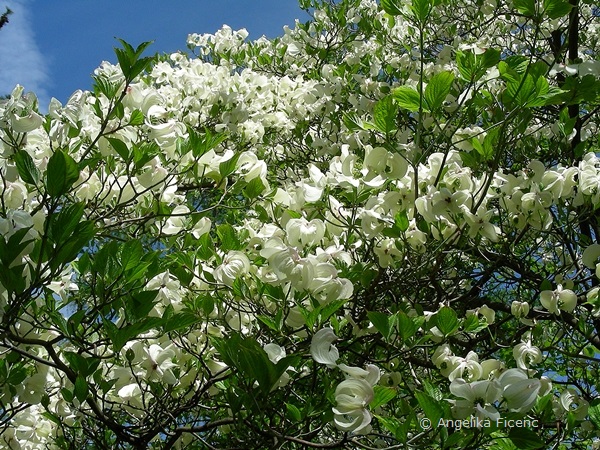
[379, 230]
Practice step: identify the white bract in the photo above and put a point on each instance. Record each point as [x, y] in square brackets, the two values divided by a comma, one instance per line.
[322, 349]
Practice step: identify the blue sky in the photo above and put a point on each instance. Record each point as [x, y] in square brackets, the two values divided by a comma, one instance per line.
[52, 47]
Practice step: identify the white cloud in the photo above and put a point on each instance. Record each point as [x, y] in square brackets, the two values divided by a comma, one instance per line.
[20, 58]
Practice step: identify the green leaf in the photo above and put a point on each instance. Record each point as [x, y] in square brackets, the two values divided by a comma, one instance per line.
[247, 356]
[254, 188]
[80, 389]
[382, 396]
[269, 321]
[394, 426]
[62, 172]
[421, 9]
[26, 167]
[381, 322]
[129, 59]
[293, 412]
[228, 237]
[205, 247]
[465, 62]
[556, 8]
[384, 115]
[454, 440]
[180, 321]
[472, 67]
[406, 326]
[401, 220]
[200, 143]
[476, 143]
[594, 415]
[139, 305]
[391, 7]
[131, 254]
[446, 320]
[10, 251]
[490, 58]
[64, 223]
[136, 117]
[16, 375]
[437, 89]
[77, 362]
[407, 98]
[67, 394]
[83, 232]
[120, 336]
[353, 122]
[433, 391]
[226, 168]
[120, 147]
[432, 409]
[329, 309]
[144, 152]
[525, 439]
[525, 7]
[473, 325]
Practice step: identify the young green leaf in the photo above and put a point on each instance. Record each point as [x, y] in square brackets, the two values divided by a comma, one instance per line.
[437, 89]
[120, 147]
[381, 322]
[136, 118]
[392, 7]
[446, 320]
[556, 8]
[226, 168]
[406, 326]
[80, 389]
[407, 98]
[26, 167]
[62, 172]
[228, 237]
[421, 10]
[525, 7]
[432, 408]
[254, 188]
[382, 396]
[384, 115]
[401, 220]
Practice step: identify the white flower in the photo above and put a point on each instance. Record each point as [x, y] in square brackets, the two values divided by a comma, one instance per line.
[371, 374]
[201, 227]
[132, 395]
[350, 414]
[159, 362]
[442, 355]
[301, 232]
[526, 354]
[519, 309]
[573, 403]
[274, 352]
[234, 265]
[519, 391]
[477, 397]
[467, 368]
[175, 222]
[559, 299]
[322, 349]
[27, 123]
